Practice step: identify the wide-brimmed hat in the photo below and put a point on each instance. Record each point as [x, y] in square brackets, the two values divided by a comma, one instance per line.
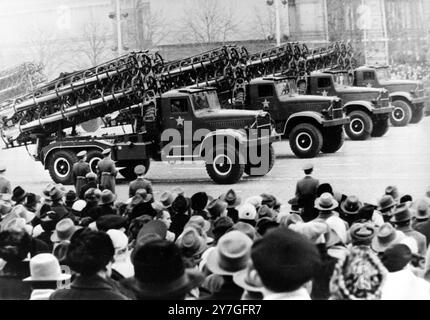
[216, 207]
[308, 166]
[64, 230]
[386, 237]
[18, 194]
[153, 226]
[91, 176]
[386, 202]
[166, 199]
[110, 221]
[231, 254]
[247, 212]
[45, 267]
[107, 197]
[190, 242]
[326, 202]
[392, 191]
[181, 204]
[79, 205]
[256, 201]
[231, 199]
[22, 212]
[55, 193]
[200, 221]
[178, 191]
[199, 201]
[351, 205]
[160, 271]
[139, 170]
[422, 210]
[265, 211]
[81, 154]
[32, 200]
[362, 233]
[313, 230]
[401, 214]
[144, 196]
[365, 213]
[246, 228]
[248, 279]
[270, 200]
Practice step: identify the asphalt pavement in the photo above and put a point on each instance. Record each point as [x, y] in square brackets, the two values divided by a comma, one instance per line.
[362, 168]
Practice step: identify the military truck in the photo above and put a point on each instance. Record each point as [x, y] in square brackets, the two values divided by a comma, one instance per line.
[185, 124]
[369, 109]
[408, 96]
[312, 124]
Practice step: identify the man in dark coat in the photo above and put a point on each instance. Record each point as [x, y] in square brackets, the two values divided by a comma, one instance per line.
[89, 255]
[306, 193]
[5, 186]
[80, 170]
[91, 183]
[107, 172]
[140, 182]
[422, 222]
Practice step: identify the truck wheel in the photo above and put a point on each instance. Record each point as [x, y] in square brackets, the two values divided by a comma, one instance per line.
[225, 167]
[380, 128]
[93, 158]
[60, 166]
[333, 139]
[128, 171]
[402, 114]
[271, 159]
[360, 127]
[306, 140]
[417, 115]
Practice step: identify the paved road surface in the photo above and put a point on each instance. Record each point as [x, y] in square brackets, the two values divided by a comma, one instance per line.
[363, 168]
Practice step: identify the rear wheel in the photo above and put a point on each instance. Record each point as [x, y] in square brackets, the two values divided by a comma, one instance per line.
[380, 128]
[333, 139]
[225, 166]
[128, 171]
[93, 158]
[360, 127]
[260, 167]
[60, 166]
[306, 140]
[402, 114]
[417, 115]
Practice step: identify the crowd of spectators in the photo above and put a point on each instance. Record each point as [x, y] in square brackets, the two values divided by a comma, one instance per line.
[321, 244]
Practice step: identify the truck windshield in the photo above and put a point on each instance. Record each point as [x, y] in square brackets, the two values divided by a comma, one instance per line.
[383, 74]
[205, 101]
[342, 79]
[286, 88]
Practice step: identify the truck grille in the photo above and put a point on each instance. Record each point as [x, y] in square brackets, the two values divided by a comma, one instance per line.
[337, 113]
[229, 124]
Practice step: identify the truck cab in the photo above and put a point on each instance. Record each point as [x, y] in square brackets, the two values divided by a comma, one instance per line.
[311, 123]
[408, 96]
[368, 108]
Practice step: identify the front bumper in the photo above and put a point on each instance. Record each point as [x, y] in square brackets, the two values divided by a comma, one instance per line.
[416, 101]
[336, 122]
[383, 110]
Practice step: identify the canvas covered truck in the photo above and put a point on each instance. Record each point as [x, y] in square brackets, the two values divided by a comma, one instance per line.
[178, 124]
[369, 109]
[408, 97]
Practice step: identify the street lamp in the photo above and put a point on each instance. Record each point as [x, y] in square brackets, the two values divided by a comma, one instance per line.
[278, 17]
[117, 14]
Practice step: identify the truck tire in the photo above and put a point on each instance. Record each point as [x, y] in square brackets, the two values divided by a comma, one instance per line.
[380, 128]
[272, 159]
[60, 166]
[360, 127]
[306, 140]
[402, 113]
[93, 158]
[225, 167]
[333, 139]
[128, 171]
[417, 115]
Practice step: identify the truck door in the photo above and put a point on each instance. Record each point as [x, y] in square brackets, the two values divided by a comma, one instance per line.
[369, 79]
[324, 86]
[177, 122]
[266, 98]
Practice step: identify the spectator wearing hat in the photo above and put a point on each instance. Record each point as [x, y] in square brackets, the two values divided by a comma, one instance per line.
[199, 202]
[79, 171]
[217, 208]
[386, 236]
[306, 193]
[294, 206]
[5, 186]
[91, 179]
[233, 201]
[71, 198]
[122, 266]
[386, 206]
[359, 276]
[422, 222]
[181, 206]
[140, 182]
[164, 216]
[246, 229]
[90, 255]
[368, 213]
[362, 234]
[285, 262]
[45, 276]
[271, 202]
[107, 172]
[231, 255]
[402, 220]
[14, 249]
[393, 192]
[63, 232]
[19, 195]
[256, 201]
[92, 209]
[325, 205]
[220, 227]
[48, 221]
[192, 246]
[107, 203]
[110, 221]
[265, 224]
[141, 204]
[349, 209]
[166, 199]
[160, 274]
[402, 283]
[32, 203]
[250, 282]
[247, 213]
